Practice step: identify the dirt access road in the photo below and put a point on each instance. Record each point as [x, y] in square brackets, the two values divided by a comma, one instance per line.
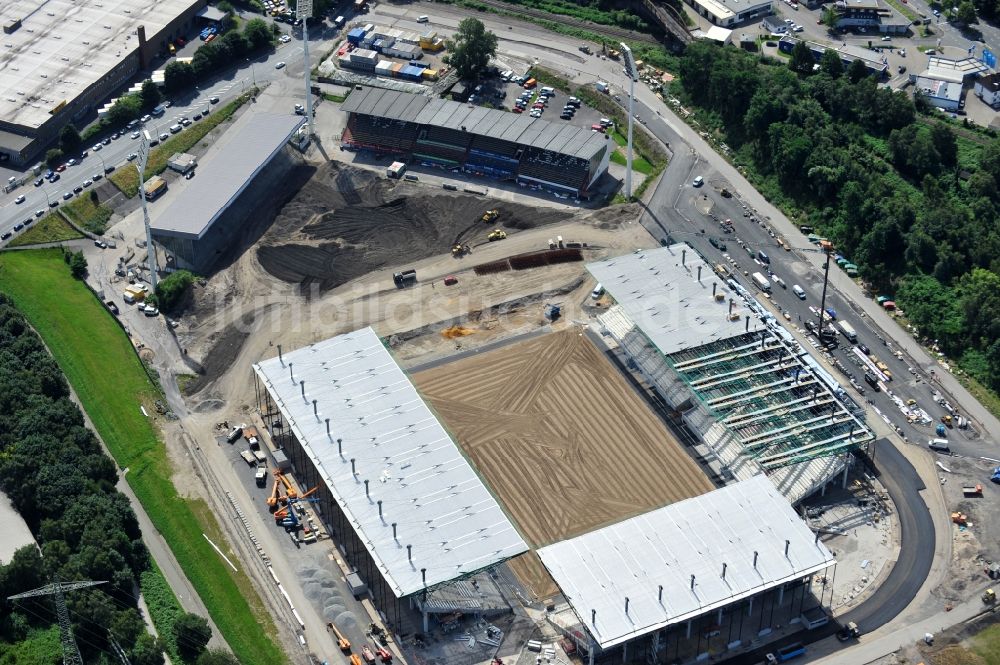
[562, 440]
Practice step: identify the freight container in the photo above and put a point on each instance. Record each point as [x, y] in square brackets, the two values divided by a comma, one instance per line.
[430, 75]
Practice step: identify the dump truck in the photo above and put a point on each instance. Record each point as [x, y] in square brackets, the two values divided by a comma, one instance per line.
[490, 215]
[497, 235]
[250, 434]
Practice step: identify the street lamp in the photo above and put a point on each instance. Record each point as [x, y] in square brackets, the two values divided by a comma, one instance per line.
[633, 74]
[303, 11]
[140, 165]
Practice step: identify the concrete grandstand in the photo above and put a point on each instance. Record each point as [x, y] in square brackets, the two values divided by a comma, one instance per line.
[535, 153]
[648, 584]
[754, 400]
[216, 206]
[393, 487]
[62, 58]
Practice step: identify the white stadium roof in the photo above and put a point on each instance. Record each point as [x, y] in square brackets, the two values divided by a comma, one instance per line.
[393, 441]
[726, 529]
[660, 291]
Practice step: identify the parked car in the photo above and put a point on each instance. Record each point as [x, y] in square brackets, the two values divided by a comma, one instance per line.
[67, 196]
[279, 65]
[149, 310]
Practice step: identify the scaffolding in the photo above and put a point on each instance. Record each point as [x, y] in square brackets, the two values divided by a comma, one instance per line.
[779, 409]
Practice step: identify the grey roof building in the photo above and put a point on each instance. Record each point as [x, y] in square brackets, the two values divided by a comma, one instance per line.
[558, 156]
[202, 220]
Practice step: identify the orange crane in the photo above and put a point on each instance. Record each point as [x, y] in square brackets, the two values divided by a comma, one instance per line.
[290, 491]
[272, 501]
[342, 642]
[284, 500]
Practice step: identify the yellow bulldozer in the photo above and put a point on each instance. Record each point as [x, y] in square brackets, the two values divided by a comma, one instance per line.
[458, 250]
[498, 234]
[490, 215]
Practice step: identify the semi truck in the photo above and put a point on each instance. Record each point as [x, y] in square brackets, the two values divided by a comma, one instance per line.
[848, 330]
[761, 282]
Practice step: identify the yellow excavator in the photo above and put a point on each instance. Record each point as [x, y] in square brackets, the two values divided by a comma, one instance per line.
[459, 250]
[498, 234]
[490, 215]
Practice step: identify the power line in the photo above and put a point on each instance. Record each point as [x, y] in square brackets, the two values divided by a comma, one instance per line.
[71, 652]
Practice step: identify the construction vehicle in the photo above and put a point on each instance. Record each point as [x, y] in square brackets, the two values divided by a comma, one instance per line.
[250, 434]
[490, 215]
[552, 312]
[996, 475]
[458, 250]
[972, 490]
[989, 596]
[383, 654]
[272, 501]
[290, 491]
[367, 653]
[939, 430]
[355, 660]
[850, 631]
[342, 642]
[404, 278]
[261, 476]
[959, 518]
[497, 234]
[947, 421]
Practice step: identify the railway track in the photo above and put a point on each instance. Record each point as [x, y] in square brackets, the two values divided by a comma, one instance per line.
[608, 30]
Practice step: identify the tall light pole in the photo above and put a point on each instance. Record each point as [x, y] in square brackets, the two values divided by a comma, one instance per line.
[140, 164]
[304, 10]
[633, 74]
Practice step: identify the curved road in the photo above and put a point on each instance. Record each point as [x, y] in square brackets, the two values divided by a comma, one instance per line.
[917, 533]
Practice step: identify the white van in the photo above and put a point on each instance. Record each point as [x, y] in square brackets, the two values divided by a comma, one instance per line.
[423, 19]
[941, 445]
[597, 292]
[548, 91]
[797, 290]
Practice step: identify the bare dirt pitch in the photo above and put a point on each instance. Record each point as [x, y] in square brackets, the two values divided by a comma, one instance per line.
[561, 439]
[346, 222]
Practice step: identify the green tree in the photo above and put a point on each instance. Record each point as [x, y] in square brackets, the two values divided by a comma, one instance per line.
[192, 634]
[225, 6]
[857, 71]
[126, 108]
[150, 94]
[830, 18]
[53, 158]
[178, 76]
[147, 651]
[831, 64]
[170, 291]
[77, 264]
[966, 13]
[257, 33]
[69, 139]
[802, 60]
[234, 45]
[471, 48]
[945, 143]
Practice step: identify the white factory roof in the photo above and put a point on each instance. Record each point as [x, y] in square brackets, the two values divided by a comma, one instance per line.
[660, 291]
[239, 157]
[724, 529]
[426, 486]
[64, 46]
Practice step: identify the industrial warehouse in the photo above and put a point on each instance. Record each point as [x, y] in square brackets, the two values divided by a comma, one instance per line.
[63, 58]
[417, 518]
[201, 223]
[535, 153]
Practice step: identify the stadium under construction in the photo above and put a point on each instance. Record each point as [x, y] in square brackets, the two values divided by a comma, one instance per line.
[751, 397]
[538, 154]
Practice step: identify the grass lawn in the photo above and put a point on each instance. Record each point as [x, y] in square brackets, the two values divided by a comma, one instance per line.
[51, 228]
[127, 178]
[87, 214]
[101, 365]
[987, 645]
[639, 165]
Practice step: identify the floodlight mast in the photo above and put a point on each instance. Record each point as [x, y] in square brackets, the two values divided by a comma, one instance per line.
[140, 165]
[633, 74]
[304, 10]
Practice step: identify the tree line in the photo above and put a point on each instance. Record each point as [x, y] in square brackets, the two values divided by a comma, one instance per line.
[881, 175]
[57, 477]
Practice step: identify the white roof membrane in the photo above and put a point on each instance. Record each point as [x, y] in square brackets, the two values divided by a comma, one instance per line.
[394, 443]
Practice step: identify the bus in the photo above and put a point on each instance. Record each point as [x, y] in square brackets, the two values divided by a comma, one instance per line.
[848, 330]
[761, 282]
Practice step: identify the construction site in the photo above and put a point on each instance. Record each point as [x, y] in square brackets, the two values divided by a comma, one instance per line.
[473, 324]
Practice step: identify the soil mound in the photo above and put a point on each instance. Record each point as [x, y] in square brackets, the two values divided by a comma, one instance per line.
[347, 222]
